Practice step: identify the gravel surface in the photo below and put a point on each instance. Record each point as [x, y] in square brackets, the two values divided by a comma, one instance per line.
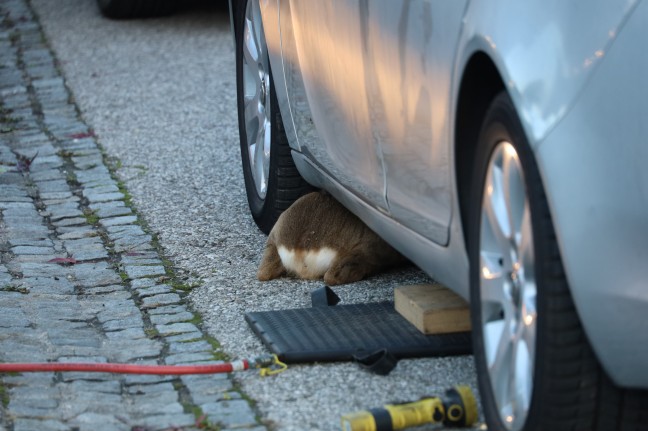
[160, 95]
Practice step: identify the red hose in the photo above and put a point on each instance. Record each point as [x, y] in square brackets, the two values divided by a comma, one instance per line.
[126, 368]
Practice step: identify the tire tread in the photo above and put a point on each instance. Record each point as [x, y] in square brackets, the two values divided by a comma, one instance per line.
[125, 9]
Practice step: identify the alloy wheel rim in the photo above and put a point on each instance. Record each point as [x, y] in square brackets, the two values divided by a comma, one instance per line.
[256, 98]
[507, 286]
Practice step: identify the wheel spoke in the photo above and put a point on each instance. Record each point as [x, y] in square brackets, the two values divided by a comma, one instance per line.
[251, 46]
[529, 318]
[521, 377]
[251, 112]
[499, 355]
[514, 194]
[526, 255]
[495, 224]
[252, 108]
[492, 279]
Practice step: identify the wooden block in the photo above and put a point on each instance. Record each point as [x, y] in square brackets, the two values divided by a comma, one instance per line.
[432, 308]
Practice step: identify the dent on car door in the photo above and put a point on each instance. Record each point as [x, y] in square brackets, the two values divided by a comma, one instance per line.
[325, 69]
[410, 53]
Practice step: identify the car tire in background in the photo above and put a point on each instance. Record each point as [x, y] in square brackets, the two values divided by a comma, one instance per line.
[535, 367]
[272, 181]
[124, 9]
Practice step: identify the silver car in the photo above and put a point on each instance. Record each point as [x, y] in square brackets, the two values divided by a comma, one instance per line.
[500, 145]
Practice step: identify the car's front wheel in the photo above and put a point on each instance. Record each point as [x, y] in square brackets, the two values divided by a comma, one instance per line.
[536, 369]
[272, 181]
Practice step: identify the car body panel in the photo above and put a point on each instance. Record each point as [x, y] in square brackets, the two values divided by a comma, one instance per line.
[409, 106]
[334, 87]
[556, 47]
[602, 208]
[350, 135]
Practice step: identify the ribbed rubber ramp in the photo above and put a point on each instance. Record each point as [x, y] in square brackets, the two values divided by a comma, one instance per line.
[338, 333]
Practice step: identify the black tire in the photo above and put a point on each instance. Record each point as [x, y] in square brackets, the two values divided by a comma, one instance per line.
[125, 9]
[570, 389]
[284, 183]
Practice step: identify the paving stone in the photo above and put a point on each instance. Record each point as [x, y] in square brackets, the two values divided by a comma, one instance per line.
[118, 313]
[47, 285]
[118, 220]
[87, 162]
[77, 233]
[158, 300]
[101, 290]
[15, 318]
[96, 174]
[187, 358]
[37, 397]
[126, 334]
[44, 269]
[74, 339]
[86, 248]
[103, 187]
[21, 409]
[53, 186]
[154, 290]
[99, 422]
[72, 376]
[82, 386]
[164, 319]
[209, 388]
[146, 379]
[73, 221]
[128, 351]
[141, 243]
[134, 321]
[26, 424]
[47, 196]
[140, 271]
[234, 413]
[167, 421]
[47, 175]
[114, 211]
[183, 338]
[104, 197]
[32, 250]
[119, 231]
[31, 242]
[168, 309]
[95, 274]
[114, 298]
[140, 259]
[59, 212]
[151, 388]
[176, 328]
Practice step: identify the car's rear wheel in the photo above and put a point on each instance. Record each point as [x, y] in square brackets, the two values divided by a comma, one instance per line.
[124, 9]
[536, 369]
[272, 181]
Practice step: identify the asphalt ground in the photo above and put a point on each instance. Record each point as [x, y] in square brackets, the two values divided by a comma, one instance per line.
[160, 97]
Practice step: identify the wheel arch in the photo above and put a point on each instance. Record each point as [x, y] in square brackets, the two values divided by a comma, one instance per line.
[480, 83]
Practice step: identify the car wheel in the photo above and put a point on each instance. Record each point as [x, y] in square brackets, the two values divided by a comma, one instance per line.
[123, 9]
[272, 181]
[535, 367]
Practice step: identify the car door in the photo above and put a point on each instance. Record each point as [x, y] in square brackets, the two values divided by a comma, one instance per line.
[325, 69]
[410, 48]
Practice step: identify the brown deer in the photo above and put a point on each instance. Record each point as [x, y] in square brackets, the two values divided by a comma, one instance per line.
[317, 237]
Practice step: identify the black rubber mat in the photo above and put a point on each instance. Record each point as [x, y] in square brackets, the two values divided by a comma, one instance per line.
[337, 333]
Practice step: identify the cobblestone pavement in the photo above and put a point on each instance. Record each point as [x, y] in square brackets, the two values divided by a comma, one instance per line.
[80, 278]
